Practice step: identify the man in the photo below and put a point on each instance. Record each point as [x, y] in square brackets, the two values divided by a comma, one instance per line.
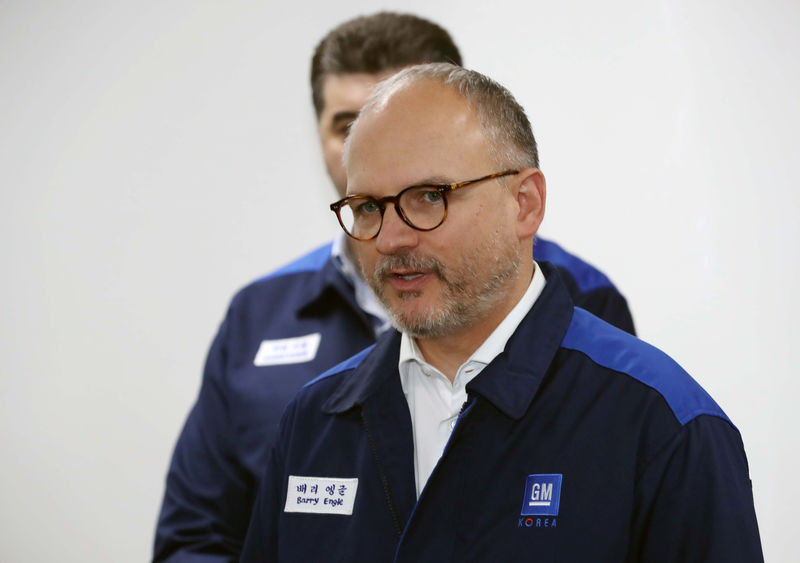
[285, 329]
[502, 423]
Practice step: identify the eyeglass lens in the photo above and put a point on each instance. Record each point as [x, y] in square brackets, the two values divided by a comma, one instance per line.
[422, 206]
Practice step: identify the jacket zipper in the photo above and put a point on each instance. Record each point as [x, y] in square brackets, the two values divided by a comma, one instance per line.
[384, 481]
[465, 408]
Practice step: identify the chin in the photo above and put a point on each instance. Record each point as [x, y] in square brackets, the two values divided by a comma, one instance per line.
[425, 322]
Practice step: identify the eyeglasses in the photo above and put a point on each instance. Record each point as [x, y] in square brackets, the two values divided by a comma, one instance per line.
[422, 207]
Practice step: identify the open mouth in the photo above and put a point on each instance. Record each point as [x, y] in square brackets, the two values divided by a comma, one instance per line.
[407, 273]
[408, 280]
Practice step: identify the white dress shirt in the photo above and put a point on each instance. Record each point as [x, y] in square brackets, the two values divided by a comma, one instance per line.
[434, 402]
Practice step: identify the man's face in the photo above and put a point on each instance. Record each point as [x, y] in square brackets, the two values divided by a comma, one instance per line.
[439, 282]
[343, 95]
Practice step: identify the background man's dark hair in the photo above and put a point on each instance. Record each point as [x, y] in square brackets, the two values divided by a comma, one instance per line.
[376, 43]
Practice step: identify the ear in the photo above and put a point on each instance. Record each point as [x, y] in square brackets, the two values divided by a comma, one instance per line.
[531, 196]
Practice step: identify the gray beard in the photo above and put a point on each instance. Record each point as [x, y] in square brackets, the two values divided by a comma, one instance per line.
[464, 302]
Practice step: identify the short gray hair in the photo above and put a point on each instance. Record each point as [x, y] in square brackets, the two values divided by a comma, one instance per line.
[507, 127]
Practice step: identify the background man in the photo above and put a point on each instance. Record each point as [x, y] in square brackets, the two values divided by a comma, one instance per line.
[575, 441]
[286, 328]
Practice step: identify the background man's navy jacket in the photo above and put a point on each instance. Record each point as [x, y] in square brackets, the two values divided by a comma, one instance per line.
[222, 450]
[636, 461]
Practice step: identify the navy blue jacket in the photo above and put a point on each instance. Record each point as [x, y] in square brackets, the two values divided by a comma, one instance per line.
[578, 443]
[223, 447]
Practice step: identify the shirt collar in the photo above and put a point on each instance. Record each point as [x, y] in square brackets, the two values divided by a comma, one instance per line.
[342, 259]
[493, 345]
[364, 296]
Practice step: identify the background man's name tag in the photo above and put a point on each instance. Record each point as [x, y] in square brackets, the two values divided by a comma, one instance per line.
[288, 350]
[321, 495]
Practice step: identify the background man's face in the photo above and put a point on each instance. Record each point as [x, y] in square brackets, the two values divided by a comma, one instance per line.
[439, 282]
[343, 95]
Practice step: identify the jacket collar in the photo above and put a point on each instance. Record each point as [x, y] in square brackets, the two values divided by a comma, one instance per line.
[509, 382]
[512, 380]
[328, 286]
[376, 369]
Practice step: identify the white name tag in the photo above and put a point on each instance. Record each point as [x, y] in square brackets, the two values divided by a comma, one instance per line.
[321, 495]
[288, 350]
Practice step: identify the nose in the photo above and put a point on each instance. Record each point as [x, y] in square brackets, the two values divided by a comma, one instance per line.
[395, 234]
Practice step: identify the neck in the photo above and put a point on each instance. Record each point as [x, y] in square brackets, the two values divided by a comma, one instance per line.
[448, 353]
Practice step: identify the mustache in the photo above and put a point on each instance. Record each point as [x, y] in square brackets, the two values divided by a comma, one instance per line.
[386, 264]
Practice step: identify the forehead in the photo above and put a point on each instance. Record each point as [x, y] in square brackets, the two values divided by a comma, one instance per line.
[347, 91]
[421, 132]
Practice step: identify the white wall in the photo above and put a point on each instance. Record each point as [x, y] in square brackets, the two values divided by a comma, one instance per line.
[146, 147]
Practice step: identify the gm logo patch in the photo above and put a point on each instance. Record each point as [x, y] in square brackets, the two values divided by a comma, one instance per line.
[542, 495]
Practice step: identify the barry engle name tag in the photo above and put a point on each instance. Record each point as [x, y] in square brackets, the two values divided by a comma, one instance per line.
[321, 495]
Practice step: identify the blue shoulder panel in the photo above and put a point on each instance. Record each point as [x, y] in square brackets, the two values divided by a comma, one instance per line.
[615, 349]
[311, 262]
[350, 363]
[586, 276]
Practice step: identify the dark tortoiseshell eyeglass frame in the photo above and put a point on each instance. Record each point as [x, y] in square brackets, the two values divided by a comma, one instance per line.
[443, 189]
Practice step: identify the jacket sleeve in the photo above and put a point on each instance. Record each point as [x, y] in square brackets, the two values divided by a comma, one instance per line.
[694, 500]
[209, 493]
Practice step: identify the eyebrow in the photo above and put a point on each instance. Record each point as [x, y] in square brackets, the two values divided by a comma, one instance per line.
[341, 116]
[429, 181]
[433, 181]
